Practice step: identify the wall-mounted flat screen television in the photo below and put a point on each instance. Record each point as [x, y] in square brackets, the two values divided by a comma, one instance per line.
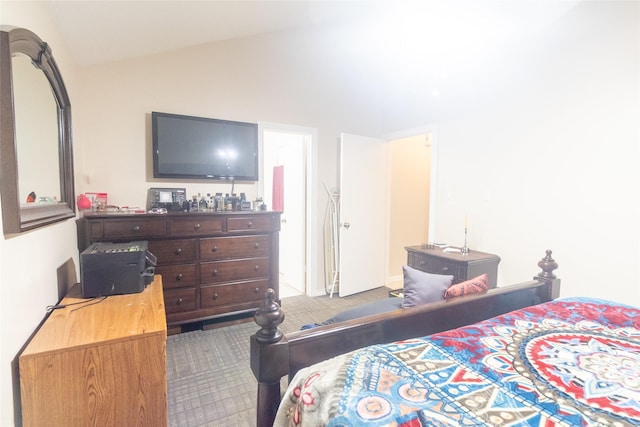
[202, 148]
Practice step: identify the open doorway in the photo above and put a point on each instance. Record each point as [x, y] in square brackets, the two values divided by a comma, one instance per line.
[290, 150]
[310, 264]
[403, 200]
[409, 199]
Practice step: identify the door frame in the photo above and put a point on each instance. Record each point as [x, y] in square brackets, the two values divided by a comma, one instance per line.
[431, 129]
[311, 208]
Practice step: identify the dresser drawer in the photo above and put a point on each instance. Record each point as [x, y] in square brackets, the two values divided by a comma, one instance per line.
[253, 223]
[178, 300]
[232, 270]
[235, 293]
[195, 226]
[173, 251]
[178, 276]
[215, 248]
[134, 228]
[94, 230]
[438, 266]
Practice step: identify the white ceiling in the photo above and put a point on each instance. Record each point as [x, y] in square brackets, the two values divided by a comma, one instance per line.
[99, 31]
[105, 30]
[393, 62]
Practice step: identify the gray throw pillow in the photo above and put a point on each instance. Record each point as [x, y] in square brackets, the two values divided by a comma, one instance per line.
[422, 288]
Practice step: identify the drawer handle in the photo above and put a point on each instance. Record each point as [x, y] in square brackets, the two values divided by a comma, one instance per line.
[214, 248]
[422, 262]
[179, 276]
[196, 227]
[215, 296]
[257, 267]
[179, 251]
[250, 224]
[136, 228]
[214, 273]
[257, 290]
[179, 301]
[444, 269]
[257, 245]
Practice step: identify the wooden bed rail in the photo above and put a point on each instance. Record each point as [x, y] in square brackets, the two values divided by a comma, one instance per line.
[275, 355]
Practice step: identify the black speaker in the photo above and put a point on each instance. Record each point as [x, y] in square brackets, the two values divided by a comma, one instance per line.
[116, 268]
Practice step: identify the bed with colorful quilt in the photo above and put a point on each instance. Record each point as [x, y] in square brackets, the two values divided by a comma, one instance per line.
[405, 383]
[569, 362]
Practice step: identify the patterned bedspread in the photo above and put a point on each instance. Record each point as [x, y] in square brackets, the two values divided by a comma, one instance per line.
[570, 362]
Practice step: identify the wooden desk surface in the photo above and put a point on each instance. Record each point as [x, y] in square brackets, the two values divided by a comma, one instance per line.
[116, 318]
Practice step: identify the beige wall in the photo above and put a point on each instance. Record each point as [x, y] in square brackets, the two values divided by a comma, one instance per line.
[29, 262]
[556, 167]
[237, 80]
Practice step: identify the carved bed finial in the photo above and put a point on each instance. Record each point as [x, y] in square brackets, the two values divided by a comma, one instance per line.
[547, 264]
[268, 317]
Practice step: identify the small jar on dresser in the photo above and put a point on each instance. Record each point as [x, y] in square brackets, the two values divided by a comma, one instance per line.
[461, 266]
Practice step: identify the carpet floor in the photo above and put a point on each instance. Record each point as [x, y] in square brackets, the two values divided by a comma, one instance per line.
[209, 379]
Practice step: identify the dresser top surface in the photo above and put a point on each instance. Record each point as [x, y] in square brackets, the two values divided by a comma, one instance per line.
[116, 317]
[174, 214]
[472, 255]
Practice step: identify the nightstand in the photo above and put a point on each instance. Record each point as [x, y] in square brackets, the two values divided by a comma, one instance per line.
[461, 266]
[100, 362]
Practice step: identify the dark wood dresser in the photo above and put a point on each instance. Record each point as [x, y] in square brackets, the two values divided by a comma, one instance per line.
[461, 266]
[212, 264]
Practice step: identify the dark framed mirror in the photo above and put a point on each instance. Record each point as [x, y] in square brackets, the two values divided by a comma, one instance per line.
[36, 158]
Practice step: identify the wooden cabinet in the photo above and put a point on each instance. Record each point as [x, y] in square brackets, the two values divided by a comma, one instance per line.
[461, 266]
[99, 362]
[212, 264]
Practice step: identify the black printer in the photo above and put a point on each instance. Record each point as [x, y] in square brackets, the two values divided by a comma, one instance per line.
[116, 268]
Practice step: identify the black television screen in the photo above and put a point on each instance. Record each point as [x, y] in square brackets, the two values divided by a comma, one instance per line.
[202, 148]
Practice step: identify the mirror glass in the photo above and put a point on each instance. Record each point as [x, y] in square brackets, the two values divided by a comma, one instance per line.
[37, 146]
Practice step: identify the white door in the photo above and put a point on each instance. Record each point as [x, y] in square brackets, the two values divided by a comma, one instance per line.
[363, 213]
[288, 150]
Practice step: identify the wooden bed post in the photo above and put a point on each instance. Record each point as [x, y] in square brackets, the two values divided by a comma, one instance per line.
[548, 264]
[269, 358]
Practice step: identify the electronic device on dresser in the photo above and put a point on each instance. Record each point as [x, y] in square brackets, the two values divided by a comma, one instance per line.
[171, 199]
[116, 268]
